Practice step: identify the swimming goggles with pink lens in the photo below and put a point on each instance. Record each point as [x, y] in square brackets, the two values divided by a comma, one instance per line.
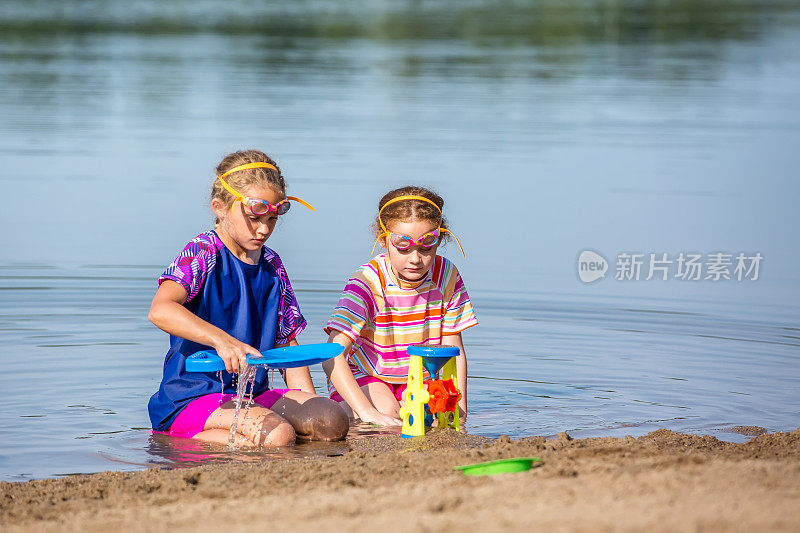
[257, 206]
[404, 242]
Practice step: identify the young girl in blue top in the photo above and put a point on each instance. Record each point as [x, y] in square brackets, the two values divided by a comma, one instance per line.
[228, 292]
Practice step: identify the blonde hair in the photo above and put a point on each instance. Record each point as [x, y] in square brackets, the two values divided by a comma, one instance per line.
[243, 179]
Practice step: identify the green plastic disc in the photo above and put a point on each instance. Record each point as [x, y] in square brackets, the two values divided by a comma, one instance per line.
[501, 466]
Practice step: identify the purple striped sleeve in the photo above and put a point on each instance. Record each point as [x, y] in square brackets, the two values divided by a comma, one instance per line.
[193, 264]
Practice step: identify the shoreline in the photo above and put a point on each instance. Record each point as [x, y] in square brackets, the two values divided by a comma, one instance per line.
[661, 481]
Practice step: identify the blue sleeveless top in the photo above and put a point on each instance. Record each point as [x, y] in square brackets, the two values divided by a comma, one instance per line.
[249, 302]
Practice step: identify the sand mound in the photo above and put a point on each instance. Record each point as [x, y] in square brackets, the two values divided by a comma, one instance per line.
[662, 481]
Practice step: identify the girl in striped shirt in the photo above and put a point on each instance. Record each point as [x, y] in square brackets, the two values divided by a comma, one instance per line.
[408, 295]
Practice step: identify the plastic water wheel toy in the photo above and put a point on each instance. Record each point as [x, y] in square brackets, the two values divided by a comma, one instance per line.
[440, 395]
[443, 395]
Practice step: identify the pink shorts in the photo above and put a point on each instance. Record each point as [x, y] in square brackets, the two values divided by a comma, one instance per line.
[192, 420]
[396, 388]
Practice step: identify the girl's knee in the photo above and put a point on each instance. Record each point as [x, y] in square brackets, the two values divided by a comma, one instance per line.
[323, 419]
[272, 430]
[282, 435]
[335, 422]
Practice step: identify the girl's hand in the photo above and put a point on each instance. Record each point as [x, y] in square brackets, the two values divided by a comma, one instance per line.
[234, 353]
[373, 416]
[168, 313]
[342, 378]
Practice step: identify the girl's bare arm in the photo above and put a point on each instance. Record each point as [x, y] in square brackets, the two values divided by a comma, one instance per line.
[169, 314]
[339, 373]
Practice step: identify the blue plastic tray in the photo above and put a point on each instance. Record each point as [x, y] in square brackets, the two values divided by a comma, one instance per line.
[294, 356]
[286, 357]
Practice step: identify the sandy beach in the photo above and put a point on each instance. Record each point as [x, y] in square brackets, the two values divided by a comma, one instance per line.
[663, 481]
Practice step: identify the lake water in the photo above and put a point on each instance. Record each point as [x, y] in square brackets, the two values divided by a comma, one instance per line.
[549, 128]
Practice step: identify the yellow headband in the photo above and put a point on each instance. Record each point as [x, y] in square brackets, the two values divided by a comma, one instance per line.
[404, 197]
[248, 166]
[413, 197]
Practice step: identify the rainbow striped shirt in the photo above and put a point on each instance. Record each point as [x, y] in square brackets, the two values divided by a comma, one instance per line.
[383, 315]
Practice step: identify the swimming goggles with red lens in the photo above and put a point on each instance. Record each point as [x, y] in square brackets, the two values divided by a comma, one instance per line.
[404, 242]
[257, 206]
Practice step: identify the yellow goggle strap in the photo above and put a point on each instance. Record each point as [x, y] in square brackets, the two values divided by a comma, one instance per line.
[248, 166]
[457, 241]
[230, 189]
[384, 234]
[296, 199]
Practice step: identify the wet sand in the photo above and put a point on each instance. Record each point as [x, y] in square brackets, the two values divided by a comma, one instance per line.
[664, 481]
